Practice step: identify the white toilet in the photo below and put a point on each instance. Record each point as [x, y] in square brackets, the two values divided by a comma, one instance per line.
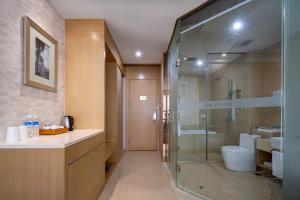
[241, 158]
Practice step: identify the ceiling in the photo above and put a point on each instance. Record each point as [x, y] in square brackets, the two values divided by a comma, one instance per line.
[144, 25]
[261, 35]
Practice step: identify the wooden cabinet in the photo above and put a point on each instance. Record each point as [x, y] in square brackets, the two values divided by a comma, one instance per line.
[93, 87]
[86, 175]
[86, 41]
[73, 173]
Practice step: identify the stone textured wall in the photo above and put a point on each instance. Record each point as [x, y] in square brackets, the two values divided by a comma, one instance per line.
[16, 99]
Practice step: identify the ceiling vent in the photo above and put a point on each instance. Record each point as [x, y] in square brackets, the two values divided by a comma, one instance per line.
[242, 43]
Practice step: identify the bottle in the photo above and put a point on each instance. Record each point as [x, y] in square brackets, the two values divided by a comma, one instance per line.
[36, 125]
[33, 124]
[29, 123]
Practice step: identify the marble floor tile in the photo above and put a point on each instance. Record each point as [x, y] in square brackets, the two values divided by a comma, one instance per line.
[214, 181]
[141, 175]
[141, 157]
[146, 191]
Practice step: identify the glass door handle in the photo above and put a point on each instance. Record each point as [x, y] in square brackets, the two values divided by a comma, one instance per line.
[154, 115]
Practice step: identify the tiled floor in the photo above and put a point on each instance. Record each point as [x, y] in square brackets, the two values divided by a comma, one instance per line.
[141, 175]
[199, 157]
[214, 181]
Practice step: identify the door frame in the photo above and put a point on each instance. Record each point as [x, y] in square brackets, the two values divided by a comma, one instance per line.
[127, 85]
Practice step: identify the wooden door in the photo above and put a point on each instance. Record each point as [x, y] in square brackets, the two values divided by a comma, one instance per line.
[142, 105]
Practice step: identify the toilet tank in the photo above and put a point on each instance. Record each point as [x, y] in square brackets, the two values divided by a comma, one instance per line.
[248, 141]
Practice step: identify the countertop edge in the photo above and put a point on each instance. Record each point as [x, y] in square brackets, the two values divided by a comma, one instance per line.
[7, 146]
[82, 139]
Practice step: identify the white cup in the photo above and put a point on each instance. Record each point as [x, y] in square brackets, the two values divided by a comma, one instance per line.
[12, 134]
[25, 132]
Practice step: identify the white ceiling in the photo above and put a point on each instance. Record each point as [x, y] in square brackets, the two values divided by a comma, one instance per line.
[144, 25]
[262, 27]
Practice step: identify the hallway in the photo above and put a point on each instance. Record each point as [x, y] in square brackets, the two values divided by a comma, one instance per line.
[141, 175]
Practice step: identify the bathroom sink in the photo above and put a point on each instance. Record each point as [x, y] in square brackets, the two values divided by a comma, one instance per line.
[276, 142]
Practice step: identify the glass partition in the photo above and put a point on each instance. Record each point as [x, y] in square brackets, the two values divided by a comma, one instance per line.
[292, 100]
[228, 80]
[172, 99]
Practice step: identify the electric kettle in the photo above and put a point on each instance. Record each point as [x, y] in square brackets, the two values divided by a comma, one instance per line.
[68, 122]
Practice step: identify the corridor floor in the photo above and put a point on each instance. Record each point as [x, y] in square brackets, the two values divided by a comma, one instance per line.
[141, 175]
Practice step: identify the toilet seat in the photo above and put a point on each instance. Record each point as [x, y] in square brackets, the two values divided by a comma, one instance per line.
[235, 149]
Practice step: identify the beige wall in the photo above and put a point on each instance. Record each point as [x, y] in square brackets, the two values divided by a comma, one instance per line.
[17, 100]
[256, 75]
[140, 72]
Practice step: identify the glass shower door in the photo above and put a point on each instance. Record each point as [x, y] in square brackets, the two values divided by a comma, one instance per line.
[191, 132]
[230, 84]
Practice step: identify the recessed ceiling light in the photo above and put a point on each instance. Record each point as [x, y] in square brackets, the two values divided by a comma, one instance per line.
[224, 55]
[199, 62]
[138, 54]
[237, 25]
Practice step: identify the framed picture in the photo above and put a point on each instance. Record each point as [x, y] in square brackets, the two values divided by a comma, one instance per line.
[40, 51]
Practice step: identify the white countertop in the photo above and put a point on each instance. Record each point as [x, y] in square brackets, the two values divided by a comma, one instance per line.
[52, 141]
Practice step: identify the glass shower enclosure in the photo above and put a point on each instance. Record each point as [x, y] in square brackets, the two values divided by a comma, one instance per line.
[226, 80]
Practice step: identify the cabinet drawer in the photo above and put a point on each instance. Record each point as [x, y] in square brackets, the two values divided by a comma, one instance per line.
[87, 175]
[77, 150]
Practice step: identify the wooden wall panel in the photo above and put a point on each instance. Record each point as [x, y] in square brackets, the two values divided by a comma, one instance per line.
[84, 25]
[147, 71]
[111, 123]
[87, 43]
[85, 73]
[114, 50]
[114, 108]
[120, 112]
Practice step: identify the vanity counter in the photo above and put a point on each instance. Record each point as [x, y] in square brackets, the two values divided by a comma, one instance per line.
[53, 141]
[69, 166]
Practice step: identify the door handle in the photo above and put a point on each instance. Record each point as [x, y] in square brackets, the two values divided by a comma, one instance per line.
[170, 116]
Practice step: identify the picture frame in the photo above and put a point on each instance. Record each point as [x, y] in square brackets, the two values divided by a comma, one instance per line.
[40, 57]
